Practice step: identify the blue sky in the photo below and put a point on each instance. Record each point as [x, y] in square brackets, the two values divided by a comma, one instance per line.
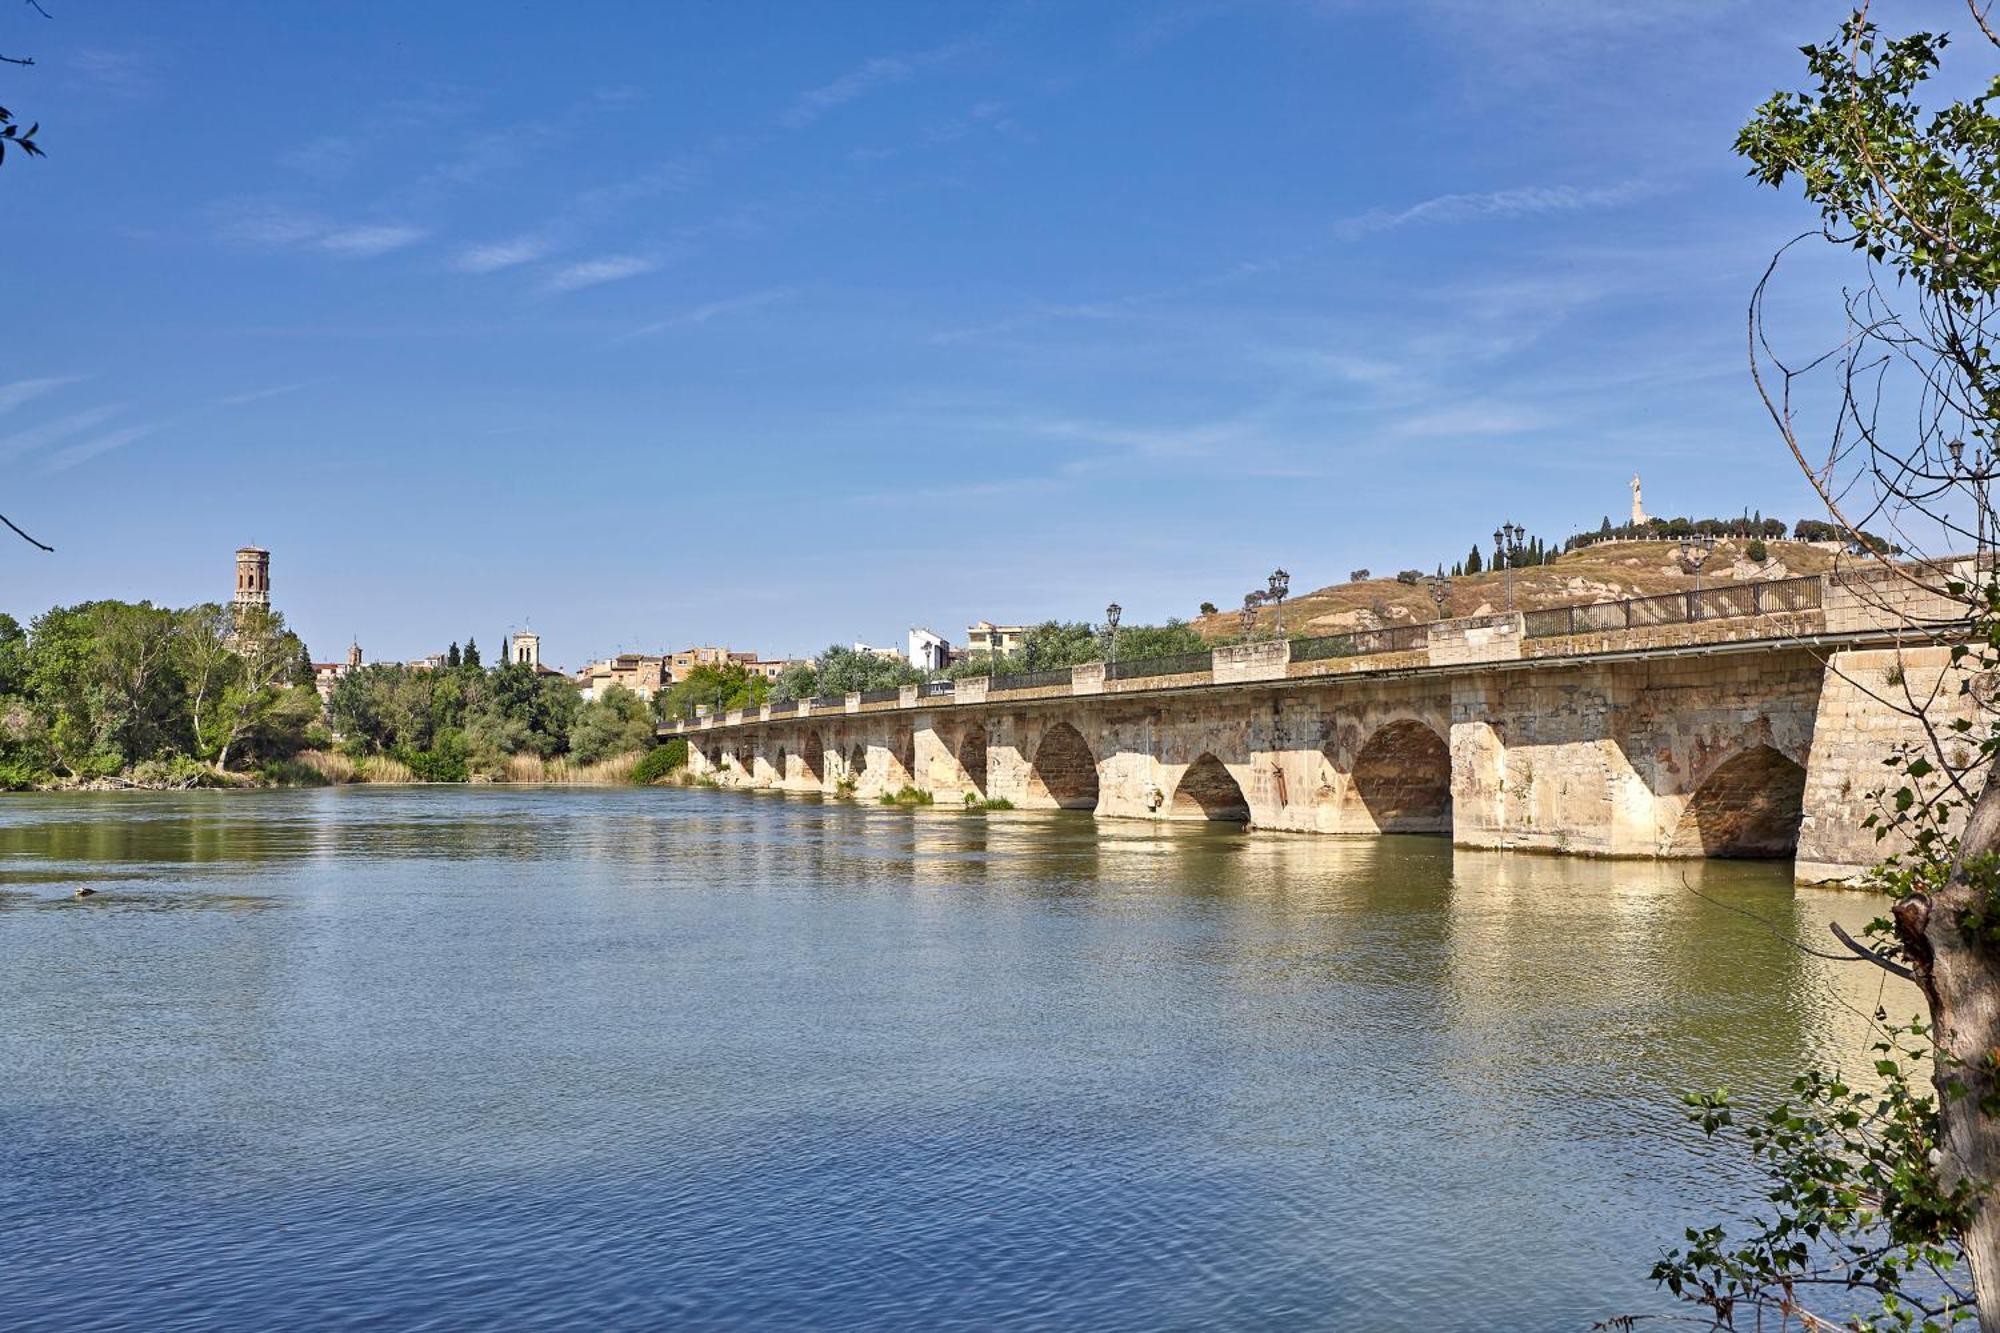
[779, 324]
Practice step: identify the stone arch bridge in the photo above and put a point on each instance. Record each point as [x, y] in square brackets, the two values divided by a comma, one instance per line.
[1667, 727]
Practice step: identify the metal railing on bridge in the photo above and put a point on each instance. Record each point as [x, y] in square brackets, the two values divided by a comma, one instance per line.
[889, 695]
[1030, 680]
[931, 689]
[1727, 602]
[1174, 664]
[824, 702]
[787, 706]
[1362, 642]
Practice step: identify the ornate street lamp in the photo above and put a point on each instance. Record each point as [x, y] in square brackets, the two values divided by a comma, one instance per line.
[1111, 614]
[1440, 589]
[1251, 601]
[1694, 553]
[1276, 587]
[1507, 548]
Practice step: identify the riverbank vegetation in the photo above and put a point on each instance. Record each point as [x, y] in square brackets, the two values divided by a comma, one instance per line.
[124, 694]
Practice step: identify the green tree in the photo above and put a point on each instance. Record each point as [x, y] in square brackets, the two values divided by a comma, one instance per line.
[1473, 562]
[616, 722]
[452, 660]
[717, 687]
[1888, 1190]
[260, 709]
[471, 658]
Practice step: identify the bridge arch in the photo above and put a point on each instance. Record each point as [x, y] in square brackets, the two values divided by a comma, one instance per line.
[1402, 779]
[812, 758]
[972, 757]
[857, 762]
[1750, 805]
[1207, 791]
[1064, 772]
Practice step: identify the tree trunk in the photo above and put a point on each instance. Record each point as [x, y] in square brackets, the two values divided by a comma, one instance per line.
[1961, 980]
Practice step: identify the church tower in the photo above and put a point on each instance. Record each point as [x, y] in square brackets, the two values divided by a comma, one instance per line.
[253, 579]
[526, 649]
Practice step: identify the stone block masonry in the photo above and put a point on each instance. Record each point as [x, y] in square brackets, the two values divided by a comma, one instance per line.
[1743, 736]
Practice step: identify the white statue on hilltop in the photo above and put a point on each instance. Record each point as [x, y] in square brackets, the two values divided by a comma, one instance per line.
[1638, 509]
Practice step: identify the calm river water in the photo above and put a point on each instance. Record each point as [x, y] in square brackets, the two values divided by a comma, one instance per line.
[450, 1058]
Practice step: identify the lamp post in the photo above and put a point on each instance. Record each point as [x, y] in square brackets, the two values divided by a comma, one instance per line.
[1507, 547]
[1978, 475]
[1250, 604]
[1440, 590]
[1694, 553]
[1276, 587]
[1111, 614]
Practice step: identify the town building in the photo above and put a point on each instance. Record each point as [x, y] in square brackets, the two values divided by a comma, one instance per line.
[983, 636]
[644, 674]
[886, 654]
[326, 675]
[929, 651]
[682, 663]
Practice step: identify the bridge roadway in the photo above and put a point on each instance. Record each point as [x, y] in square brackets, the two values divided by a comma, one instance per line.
[1747, 720]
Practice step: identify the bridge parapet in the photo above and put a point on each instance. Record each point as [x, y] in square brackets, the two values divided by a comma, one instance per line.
[1862, 602]
[1477, 639]
[1878, 598]
[1241, 662]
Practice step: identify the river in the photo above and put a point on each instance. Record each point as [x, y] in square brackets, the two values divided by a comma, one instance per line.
[454, 1058]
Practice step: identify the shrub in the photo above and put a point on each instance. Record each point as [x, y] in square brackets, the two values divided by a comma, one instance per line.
[1358, 576]
[1756, 551]
[660, 761]
[1410, 576]
[294, 773]
[908, 795]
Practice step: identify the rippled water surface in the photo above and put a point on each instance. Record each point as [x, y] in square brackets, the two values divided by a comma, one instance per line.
[534, 1058]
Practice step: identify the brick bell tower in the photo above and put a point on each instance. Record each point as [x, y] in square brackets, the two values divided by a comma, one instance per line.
[253, 579]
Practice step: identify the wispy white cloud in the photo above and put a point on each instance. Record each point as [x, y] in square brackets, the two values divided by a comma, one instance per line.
[119, 73]
[593, 272]
[280, 228]
[326, 158]
[1495, 205]
[813, 103]
[20, 391]
[257, 395]
[702, 314]
[493, 257]
[52, 432]
[367, 242]
[64, 459]
[1478, 418]
[877, 72]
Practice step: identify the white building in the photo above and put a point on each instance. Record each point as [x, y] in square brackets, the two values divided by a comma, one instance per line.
[929, 651]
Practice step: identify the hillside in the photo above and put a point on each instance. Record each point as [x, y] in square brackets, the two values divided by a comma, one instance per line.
[1605, 573]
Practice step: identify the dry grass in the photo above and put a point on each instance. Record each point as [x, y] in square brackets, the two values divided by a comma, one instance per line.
[1604, 573]
[613, 772]
[338, 769]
